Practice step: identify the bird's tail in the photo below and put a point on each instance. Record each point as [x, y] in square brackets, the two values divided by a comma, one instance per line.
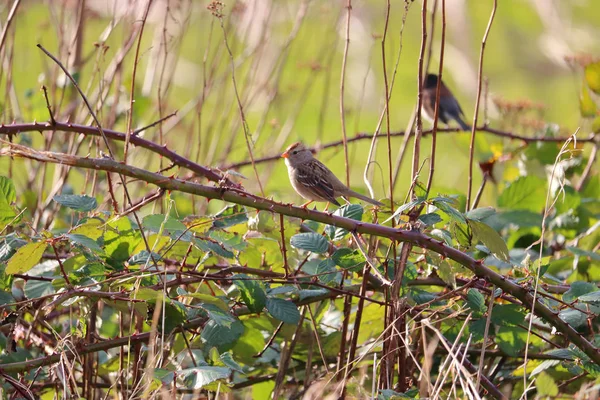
[463, 125]
[359, 196]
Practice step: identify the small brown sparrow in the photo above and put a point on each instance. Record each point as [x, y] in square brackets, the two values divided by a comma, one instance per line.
[449, 108]
[313, 180]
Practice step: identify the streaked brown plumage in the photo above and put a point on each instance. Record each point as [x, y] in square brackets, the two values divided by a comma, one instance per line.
[312, 180]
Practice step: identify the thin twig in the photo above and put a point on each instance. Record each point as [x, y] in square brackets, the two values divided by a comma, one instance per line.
[9, 19]
[342, 85]
[477, 100]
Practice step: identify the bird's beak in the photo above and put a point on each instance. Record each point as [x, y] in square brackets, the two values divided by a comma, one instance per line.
[285, 155]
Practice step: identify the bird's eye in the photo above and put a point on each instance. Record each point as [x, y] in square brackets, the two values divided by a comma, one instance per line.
[295, 152]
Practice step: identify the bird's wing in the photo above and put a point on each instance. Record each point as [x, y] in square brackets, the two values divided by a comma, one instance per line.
[314, 176]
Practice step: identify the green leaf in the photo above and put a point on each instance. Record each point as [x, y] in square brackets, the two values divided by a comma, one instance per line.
[230, 216]
[143, 258]
[452, 212]
[212, 246]
[525, 193]
[326, 271]
[81, 203]
[163, 223]
[404, 207]
[476, 301]
[520, 218]
[221, 336]
[587, 106]
[346, 258]
[430, 219]
[507, 315]
[592, 76]
[584, 253]
[227, 359]
[9, 245]
[6, 298]
[593, 298]
[577, 289]
[7, 197]
[352, 211]
[229, 240]
[7, 190]
[121, 239]
[250, 343]
[85, 241]
[479, 214]
[283, 310]
[252, 292]
[34, 289]
[310, 242]
[197, 377]
[573, 317]
[511, 340]
[545, 385]
[25, 258]
[490, 238]
[215, 313]
[596, 125]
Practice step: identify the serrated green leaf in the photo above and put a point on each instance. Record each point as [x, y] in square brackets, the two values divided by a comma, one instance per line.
[7, 197]
[430, 219]
[584, 253]
[85, 241]
[479, 214]
[476, 301]
[577, 289]
[9, 245]
[573, 317]
[545, 385]
[310, 242]
[352, 211]
[212, 246]
[7, 190]
[227, 359]
[593, 298]
[507, 315]
[163, 223]
[120, 239]
[490, 238]
[349, 259]
[143, 258]
[198, 377]
[25, 258]
[34, 289]
[218, 315]
[326, 271]
[511, 340]
[447, 209]
[230, 216]
[592, 76]
[587, 106]
[525, 193]
[283, 310]
[252, 292]
[81, 203]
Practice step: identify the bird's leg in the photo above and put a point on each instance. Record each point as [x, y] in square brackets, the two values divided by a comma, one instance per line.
[326, 207]
[306, 204]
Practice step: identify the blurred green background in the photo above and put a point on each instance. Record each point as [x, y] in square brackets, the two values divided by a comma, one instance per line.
[287, 68]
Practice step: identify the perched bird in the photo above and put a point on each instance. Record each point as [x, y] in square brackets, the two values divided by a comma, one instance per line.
[449, 108]
[313, 180]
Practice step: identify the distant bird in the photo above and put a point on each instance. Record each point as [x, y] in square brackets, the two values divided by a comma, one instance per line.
[312, 180]
[449, 108]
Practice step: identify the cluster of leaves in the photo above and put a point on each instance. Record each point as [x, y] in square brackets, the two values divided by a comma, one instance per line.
[235, 279]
